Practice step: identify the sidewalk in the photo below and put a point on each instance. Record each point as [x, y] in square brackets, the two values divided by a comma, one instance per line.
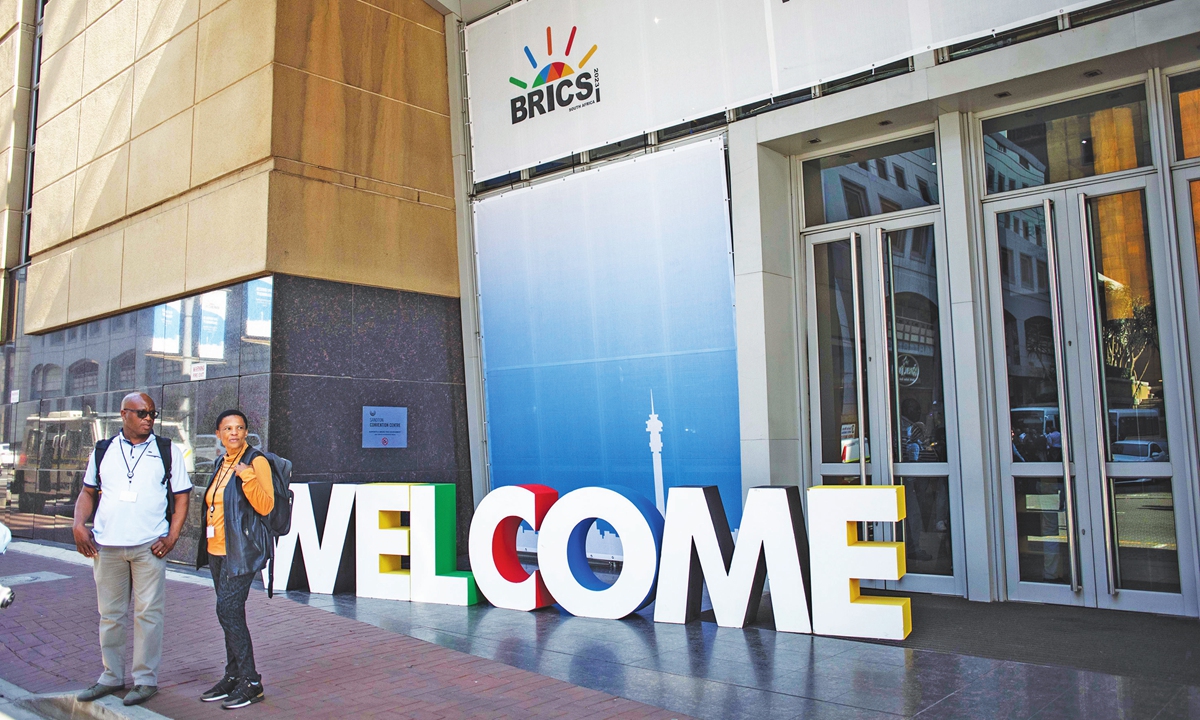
[346, 657]
[314, 664]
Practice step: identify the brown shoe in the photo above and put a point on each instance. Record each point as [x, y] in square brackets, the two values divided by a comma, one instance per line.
[140, 694]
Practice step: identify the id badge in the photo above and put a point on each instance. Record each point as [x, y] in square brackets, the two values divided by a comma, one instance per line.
[211, 531]
[128, 496]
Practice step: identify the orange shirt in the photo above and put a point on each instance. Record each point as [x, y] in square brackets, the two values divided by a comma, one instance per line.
[256, 484]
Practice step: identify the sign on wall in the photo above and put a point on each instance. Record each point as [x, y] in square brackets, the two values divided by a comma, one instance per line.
[384, 427]
[608, 329]
[548, 78]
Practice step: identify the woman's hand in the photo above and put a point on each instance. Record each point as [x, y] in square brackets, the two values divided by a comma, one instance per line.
[239, 468]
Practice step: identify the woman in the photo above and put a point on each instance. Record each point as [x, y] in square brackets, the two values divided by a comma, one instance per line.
[236, 547]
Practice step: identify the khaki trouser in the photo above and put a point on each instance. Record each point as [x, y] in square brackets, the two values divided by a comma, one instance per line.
[122, 572]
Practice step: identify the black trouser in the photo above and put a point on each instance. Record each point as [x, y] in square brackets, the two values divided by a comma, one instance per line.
[232, 591]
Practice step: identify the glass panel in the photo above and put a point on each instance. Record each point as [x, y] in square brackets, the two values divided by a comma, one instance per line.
[64, 392]
[842, 480]
[1185, 106]
[1194, 188]
[1131, 381]
[926, 527]
[1042, 548]
[871, 181]
[836, 347]
[1090, 136]
[918, 407]
[1029, 337]
[1147, 556]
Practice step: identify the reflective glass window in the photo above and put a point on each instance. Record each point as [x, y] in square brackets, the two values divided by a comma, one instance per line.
[1131, 376]
[1043, 551]
[1094, 135]
[1185, 106]
[1032, 372]
[918, 408]
[835, 333]
[858, 184]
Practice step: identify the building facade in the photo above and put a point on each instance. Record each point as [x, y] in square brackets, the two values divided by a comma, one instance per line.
[726, 243]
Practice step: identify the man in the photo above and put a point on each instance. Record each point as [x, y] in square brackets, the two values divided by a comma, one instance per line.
[131, 541]
[6, 593]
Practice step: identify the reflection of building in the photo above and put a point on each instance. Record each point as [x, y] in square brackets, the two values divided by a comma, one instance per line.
[879, 180]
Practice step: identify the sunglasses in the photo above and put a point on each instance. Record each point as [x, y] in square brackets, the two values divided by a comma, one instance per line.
[142, 414]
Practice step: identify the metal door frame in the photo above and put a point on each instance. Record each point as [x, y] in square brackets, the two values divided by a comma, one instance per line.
[1092, 511]
[1182, 178]
[872, 339]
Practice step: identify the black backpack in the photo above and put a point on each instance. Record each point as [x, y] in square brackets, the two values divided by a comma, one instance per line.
[279, 520]
[164, 452]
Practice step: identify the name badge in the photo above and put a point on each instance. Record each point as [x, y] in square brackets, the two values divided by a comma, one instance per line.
[212, 531]
[128, 496]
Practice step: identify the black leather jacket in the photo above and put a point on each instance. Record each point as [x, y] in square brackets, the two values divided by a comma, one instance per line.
[248, 543]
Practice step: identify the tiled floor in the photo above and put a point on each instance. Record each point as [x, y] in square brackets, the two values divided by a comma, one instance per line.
[710, 672]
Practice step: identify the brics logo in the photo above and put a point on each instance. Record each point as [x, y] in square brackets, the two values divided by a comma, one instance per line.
[556, 84]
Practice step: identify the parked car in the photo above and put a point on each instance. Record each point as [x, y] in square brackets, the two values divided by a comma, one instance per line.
[1140, 451]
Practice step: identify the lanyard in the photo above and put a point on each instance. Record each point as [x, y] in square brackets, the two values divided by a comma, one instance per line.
[219, 486]
[129, 470]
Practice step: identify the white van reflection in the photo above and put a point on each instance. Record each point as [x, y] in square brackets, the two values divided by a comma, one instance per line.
[1036, 435]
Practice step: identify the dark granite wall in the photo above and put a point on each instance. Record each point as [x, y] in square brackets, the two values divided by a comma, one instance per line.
[337, 347]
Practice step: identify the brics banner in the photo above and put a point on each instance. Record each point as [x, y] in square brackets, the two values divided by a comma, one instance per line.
[404, 550]
[548, 78]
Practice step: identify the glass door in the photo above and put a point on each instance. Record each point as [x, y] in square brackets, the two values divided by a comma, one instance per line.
[1095, 511]
[880, 412]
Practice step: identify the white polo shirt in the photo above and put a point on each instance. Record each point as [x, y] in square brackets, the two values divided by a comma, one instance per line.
[133, 510]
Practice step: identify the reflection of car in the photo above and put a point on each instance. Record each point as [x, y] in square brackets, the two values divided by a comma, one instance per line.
[1139, 451]
[7, 457]
[208, 449]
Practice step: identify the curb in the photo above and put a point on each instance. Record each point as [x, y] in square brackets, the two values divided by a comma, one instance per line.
[23, 705]
[64, 553]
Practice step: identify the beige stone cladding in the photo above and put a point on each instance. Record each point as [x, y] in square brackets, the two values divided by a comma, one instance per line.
[16, 53]
[188, 144]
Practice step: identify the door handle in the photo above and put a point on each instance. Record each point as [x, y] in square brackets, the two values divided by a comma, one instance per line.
[856, 290]
[1110, 565]
[884, 317]
[1060, 377]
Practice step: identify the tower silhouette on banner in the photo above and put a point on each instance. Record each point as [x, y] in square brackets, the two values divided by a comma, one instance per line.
[654, 426]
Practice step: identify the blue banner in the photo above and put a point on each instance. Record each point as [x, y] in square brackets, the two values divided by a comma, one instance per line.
[608, 328]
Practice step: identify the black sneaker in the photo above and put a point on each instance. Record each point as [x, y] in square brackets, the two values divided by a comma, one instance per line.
[221, 690]
[247, 692]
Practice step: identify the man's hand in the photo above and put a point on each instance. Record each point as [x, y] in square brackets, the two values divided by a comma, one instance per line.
[164, 545]
[84, 542]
